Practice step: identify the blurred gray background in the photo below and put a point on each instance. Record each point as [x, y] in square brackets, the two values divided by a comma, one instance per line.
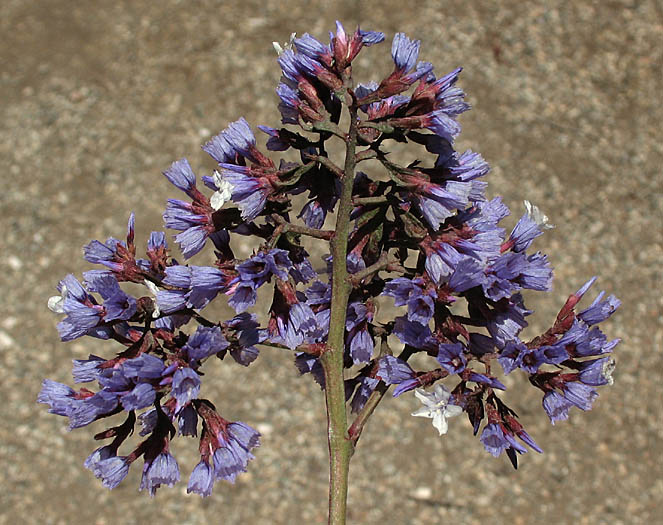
[99, 97]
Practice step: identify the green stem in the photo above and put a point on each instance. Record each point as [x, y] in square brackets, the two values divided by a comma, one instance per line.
[340, 446]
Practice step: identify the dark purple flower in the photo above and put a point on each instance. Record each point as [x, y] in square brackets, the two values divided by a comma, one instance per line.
[361, 346]
[187, 421]
[308, 364]
[507, 322]
[411, 333]
[452, 357]
[246, 331]
[365, 387]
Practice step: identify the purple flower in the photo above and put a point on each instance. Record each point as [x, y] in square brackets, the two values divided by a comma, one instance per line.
[297, 66]
[313, 48]
[404, 52]
[145, 366]
[201, 480]
[579, 394]
[556, 406]
[233, 455]
[494, 439]
[599, 310]
[440, 123]
[243, 296]
[597, 372]
[162, 470]
[529, 227]
[361, 346]
[486, 380]
[83, 313]
[394, 371]
[204, 342]
[467, 274]
[419, 301]
[86, 370]
[506, 322]
[185, 386]
[111, 471]
[181, 176]
[87, 410]
[61, 398]
[437, 203]
[142, 396]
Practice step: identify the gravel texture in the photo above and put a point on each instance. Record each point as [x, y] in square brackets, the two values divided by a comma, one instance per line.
[100, 97]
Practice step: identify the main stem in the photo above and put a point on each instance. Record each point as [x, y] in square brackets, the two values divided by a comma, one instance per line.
[340, 446]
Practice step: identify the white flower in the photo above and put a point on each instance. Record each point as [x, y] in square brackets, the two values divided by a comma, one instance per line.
[436, 406]
[153, 290]
[56, 303]
[538, 216]
[224, 192]
[281, 48]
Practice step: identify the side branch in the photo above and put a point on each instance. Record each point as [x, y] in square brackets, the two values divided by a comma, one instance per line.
[327, 163]
[383, 263]
[302, 230]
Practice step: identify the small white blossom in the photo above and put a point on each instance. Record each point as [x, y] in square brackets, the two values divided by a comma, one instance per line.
[287, 45]
[153, 290]
[56, 303]
[223, 194]
[436, 406]
[607, 369]
[538, 216]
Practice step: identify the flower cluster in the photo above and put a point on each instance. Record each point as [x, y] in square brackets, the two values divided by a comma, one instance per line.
[421, 233]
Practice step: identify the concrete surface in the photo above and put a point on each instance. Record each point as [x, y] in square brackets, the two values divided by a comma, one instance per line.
[99, 97]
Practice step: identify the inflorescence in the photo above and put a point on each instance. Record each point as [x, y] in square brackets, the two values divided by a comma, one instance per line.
[423, 234]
